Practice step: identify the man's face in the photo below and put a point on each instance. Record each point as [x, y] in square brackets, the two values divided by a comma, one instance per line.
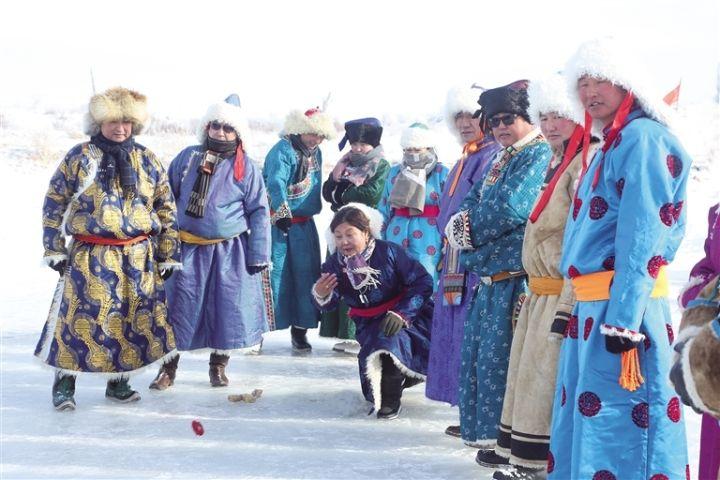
[556, 129]
[118, 131]
[311, 140]
[508, 128]
[467, 127]
[600, 98]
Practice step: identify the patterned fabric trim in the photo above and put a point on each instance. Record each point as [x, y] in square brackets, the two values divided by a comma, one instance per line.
[457, 231]
[283, 211]
[302, 188]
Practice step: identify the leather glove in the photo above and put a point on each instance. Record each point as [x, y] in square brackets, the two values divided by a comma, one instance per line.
[255, 269]
[59, 267]
[284, 224]
[392, 324]
[619, 344]
[165, 273]
[678, 379]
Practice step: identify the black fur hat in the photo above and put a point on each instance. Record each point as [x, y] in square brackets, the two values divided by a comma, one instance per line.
[365, 130]
[512, 98]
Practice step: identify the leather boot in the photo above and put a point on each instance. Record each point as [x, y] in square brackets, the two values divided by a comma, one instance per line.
[299, 340]
[63, 392]
[166, 376]
[121, 391]
[391, 387]
[217, 370]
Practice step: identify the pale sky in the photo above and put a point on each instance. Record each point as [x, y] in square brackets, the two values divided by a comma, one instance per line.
[376, 57]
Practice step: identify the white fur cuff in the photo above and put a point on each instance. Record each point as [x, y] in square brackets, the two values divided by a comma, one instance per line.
[172, 266]
[611, 331]
[322, 301]
[51, 260]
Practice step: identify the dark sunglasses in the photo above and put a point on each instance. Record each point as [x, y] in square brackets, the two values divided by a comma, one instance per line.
[225, 127]
[507, 120]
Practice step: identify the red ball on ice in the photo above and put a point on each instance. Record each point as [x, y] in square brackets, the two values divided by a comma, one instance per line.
[197, 428]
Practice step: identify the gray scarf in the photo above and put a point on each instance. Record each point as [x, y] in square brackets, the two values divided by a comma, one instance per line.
[409, 188]
[358, 167]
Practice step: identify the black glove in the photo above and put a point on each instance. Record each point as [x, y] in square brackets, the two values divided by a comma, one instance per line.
[255, 269]
[678, 379]
[165, 273]
[619, 344]
[392, 324]
[59, 267]
[284, 224]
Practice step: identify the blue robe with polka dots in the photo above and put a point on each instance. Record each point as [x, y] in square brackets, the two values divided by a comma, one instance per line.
[498, 210]
[628, 217]
[419, 234]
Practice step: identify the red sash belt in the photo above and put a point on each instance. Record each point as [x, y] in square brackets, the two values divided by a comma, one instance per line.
[430, 211]
[295, 219]
[377, 310]
[110, 241]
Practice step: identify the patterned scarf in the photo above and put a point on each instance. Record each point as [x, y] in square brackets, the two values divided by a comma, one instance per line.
[116, 160]
[361, 275]
[409, 188]
[358, 167]
[215, 151]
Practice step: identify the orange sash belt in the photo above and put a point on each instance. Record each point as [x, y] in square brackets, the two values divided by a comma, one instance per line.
[118, 242]
[596, 286]
[376, 310]
[430, 211]
[545, 285]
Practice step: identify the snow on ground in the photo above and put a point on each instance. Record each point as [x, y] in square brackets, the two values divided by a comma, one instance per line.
[311, 421]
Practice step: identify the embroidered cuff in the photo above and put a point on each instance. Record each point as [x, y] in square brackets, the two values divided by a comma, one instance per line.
[559, 325]
[322, 301]
[171, 266]
[457, 231]
[54, 259]
[611, 331]
[283, 211]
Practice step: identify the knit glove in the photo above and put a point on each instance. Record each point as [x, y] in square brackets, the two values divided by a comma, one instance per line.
[59, 267]
[619, 344]
[284, 224]
[255, 269]
[392, 324]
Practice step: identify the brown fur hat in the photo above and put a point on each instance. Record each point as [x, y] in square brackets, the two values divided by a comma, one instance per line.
[115, 104]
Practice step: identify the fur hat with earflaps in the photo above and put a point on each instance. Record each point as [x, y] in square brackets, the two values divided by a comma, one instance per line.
[611, 60]
[116, 104]
[373, 215]
[549, 95]
[228, 112]
[312, 121]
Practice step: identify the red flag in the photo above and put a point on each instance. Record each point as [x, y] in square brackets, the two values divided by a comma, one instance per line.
[673, 96]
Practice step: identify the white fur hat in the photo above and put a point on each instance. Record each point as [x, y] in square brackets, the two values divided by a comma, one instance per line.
[115, 104]
[550, 95]
[313, 121]
[417, 135]
[227, 112]
[611, 60]
[460, 100]
[376, 222]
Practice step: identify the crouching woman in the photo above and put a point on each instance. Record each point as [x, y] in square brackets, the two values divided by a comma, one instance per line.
[390, 300]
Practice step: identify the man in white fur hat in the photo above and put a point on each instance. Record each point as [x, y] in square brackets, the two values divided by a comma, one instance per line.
[293, 178]
[112, 196]
[216, 302]
[615, 415]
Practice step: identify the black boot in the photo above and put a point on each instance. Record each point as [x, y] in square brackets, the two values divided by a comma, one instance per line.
[453, 431]
[520, 473]
[299, 340]
[391, 387]
[217, 370]
[120, 391]
[63, 392]
[166, 376]
[488, 458]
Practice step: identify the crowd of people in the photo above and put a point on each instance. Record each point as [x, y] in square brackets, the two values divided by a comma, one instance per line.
[527, 284]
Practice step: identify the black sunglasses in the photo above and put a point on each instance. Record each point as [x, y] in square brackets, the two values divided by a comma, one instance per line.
[225, 127]
[508, 120]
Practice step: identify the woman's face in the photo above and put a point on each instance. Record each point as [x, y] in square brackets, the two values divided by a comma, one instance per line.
[600, 98]
[350, 240]
[116, 131]
[360, 147]
[556, 129]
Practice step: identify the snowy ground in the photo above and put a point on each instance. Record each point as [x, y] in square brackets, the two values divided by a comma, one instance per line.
[311, 421]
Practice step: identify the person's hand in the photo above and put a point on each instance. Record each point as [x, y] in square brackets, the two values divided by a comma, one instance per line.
[326, 284]
[392, 324]
[619, 344]
[284, 224]
[59, 267]
[255, 269]
[165, 273]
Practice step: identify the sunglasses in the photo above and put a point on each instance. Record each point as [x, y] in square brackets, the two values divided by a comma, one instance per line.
[224, 126]
[507, 120]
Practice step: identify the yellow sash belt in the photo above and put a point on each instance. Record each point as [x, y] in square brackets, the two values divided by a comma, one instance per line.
[191, 238]
[596, 286]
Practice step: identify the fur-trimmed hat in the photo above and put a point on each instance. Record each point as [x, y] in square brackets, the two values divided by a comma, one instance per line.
[366, 130]
[460, 100]
[549, 95]
[417, 135]
[116, 104]
[511, 98]
[228, 112]
[373, 215]
[312, 121]
[612, 60]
